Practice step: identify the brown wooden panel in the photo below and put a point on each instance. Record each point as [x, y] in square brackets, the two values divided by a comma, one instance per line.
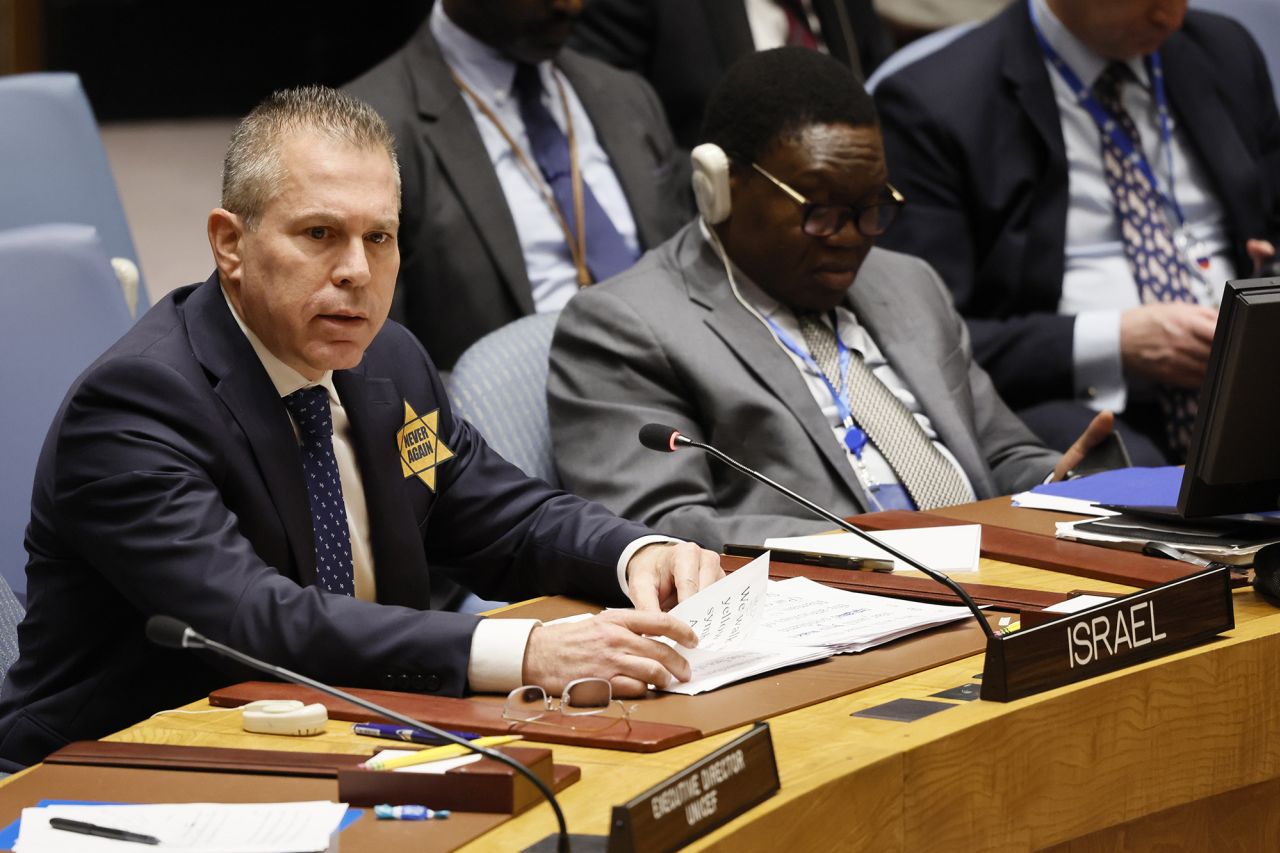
[466, 715]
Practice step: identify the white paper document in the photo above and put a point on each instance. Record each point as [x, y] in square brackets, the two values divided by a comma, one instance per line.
[190, 827]
[1132, 535]
[444, 765]
[727, 611]
[947, 549]
[748, 625]
[1057, 503]
[803, 611]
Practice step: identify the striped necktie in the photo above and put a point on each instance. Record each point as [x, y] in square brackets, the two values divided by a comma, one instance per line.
[928, 476]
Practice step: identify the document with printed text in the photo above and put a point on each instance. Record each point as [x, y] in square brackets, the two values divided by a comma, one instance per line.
[748, 625]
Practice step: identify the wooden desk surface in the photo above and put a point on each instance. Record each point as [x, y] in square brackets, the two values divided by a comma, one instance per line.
[1181, 751]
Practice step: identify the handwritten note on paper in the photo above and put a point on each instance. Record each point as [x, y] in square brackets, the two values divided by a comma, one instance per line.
[726, 612]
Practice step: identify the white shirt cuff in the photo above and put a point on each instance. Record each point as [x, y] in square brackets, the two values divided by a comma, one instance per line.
[1099, 373]
[630, 551]
[497, 654]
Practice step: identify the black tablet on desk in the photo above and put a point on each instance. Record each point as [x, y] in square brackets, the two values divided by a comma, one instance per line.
[1233, 467]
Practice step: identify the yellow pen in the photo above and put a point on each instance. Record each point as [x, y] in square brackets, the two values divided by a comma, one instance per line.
[437, 753]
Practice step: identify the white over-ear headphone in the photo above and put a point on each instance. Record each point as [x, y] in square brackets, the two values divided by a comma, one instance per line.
[711, 182]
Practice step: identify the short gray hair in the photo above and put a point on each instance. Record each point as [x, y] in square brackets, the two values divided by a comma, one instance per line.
[252, 173]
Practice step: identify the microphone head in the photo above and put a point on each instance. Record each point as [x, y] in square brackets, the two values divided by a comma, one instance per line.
[169, 632]
[659, 437]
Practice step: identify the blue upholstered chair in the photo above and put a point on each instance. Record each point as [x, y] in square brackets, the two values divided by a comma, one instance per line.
[500, 386]
[53, 168]
[11, 613]
[62, 309]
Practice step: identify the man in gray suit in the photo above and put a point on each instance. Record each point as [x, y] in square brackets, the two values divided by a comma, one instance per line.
[529, 170]
[772, 328]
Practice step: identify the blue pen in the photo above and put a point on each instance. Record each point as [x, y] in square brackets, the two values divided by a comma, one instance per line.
[405, 733]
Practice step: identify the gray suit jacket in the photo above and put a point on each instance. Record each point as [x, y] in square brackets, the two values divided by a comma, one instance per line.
[668, 342]
[462, 272]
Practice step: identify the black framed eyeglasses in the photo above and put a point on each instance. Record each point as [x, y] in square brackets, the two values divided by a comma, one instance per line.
[824, 220]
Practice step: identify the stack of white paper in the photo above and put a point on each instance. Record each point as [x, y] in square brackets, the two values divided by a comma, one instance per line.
[954, 548]
[724, 616]
[748, 625]
[1131, 534]
[190, 827]
[803, 611]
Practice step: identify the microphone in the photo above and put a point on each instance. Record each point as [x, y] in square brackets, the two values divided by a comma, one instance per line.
[666, 439]
[176, 634]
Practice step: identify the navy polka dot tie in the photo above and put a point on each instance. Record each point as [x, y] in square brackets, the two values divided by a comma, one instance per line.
[1160, 273]
[310, 408]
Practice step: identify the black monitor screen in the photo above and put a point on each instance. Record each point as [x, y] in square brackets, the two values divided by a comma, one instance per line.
[1234, 460]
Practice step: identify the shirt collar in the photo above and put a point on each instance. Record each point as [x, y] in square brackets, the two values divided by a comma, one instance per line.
[484, 68]
[1080, 58]
[285, 379]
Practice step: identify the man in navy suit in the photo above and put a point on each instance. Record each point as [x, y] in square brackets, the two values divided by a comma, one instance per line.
[993, 142]
[264, 458]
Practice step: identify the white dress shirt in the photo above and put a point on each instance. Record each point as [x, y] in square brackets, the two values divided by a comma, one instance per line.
[769, 26]
[498, 645]
[1097, 286]
[490, 74]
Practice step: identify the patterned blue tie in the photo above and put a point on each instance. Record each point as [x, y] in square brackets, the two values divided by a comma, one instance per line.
[310, 408]
[1153, 259]
[607, 253]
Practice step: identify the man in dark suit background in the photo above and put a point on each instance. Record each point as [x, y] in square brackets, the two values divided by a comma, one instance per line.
[683, 47]
[263, 458]
[1004, 169]
[495, 122]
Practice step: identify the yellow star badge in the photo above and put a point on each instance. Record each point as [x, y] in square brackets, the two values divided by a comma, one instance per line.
[420, 447]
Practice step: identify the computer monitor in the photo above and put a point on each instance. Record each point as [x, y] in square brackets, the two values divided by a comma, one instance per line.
[1234, 460]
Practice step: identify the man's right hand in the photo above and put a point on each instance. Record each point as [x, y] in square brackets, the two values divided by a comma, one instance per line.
[1167, 341]
[610, 646]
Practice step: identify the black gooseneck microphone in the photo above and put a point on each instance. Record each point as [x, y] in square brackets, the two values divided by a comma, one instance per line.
[667, 439]
[176, 634]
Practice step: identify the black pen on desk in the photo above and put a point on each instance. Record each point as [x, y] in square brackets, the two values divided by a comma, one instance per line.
[68, 825]
[404, 733]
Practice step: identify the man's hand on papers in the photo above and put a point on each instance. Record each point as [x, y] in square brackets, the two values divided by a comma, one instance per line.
[662, 575]
[609, 645]
[1098, 429]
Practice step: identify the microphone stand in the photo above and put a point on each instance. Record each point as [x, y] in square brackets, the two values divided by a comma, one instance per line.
[164, 631]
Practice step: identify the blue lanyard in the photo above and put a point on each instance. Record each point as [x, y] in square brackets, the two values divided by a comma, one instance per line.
[854, 438]
[1108, 124]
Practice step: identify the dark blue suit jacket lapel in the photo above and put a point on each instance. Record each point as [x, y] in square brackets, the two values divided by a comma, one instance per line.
[376, 411]
[1200, 110]
[1045, 210]
[242, 384]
